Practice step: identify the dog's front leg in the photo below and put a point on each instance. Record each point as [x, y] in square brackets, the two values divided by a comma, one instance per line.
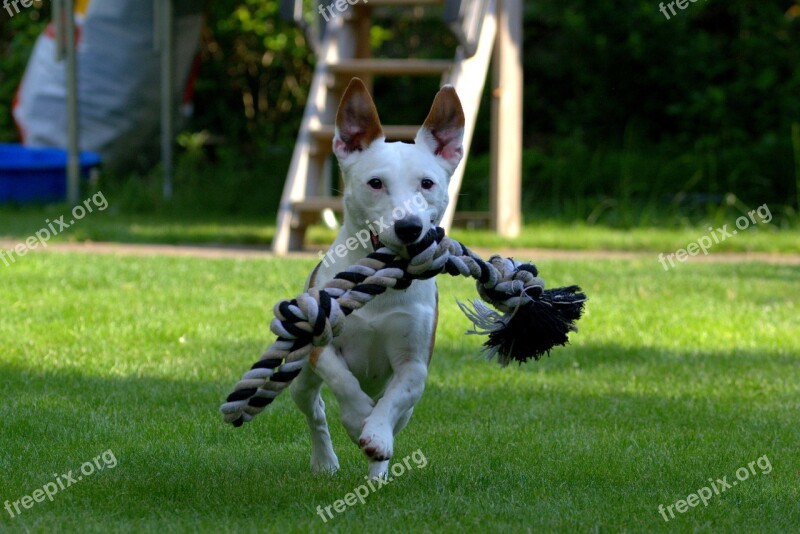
[402, 393]
[354, 404]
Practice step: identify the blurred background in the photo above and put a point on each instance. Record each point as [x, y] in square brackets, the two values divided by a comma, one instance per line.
[630, 119]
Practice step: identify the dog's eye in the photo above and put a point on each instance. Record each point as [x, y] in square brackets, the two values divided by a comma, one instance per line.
[375, 183]
[427, 183]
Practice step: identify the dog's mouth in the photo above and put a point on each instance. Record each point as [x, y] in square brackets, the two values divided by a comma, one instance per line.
[376, 241]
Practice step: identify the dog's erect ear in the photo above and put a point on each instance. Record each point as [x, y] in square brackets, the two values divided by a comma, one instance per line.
[443, 130]
[357, 122]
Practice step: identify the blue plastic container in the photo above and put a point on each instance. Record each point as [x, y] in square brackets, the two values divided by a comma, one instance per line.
[29, 175]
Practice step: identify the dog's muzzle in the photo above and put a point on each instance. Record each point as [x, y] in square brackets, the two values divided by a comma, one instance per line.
[408, 229]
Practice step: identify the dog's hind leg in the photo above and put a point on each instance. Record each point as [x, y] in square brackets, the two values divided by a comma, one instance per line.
[305, 391]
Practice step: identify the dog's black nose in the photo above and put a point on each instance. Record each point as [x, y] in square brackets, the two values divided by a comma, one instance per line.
[408, 229]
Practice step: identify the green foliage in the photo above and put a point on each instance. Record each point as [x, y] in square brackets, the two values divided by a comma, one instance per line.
[209, 181]
[255, 75]
[726, 68]
[708, 96]
[629, 118]
[644, 184]
[266, 67]
[17, 37]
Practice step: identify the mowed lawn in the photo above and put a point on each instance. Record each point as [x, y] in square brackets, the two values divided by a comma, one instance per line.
[675, 380]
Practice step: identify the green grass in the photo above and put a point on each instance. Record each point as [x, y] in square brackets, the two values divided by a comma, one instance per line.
[675, 377]
[18, 224]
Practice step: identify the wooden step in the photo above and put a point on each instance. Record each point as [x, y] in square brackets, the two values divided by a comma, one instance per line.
[472, 219]
[309, 211]
[318, 204]
[391, 67]
[404, 132]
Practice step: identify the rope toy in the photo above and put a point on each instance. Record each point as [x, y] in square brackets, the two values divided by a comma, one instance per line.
[533, 320]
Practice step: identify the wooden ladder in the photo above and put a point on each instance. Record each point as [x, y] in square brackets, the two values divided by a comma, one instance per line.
[345, 52]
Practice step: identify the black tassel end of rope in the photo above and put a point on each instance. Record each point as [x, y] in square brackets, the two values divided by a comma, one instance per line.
[539, 326]
[532, 329]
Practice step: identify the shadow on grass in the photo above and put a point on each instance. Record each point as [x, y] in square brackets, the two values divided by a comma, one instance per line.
[569, 435]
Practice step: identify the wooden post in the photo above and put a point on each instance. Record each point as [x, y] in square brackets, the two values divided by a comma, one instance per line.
[166, 41]
[505, 187]
[362, 24]
[64, 10]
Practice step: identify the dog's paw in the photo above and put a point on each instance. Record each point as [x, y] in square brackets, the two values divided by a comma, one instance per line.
[376, 441]
[324, 465]
[379, 470]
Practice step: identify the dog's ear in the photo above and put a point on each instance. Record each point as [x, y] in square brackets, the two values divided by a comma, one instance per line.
[443, 130]
[357, 122]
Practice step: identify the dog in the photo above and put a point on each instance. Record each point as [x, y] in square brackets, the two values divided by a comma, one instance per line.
[395, 193]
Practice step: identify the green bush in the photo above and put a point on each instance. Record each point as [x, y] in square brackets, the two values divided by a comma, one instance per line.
[17, 37]
[255, 73]
[626, 114]
[709, 96]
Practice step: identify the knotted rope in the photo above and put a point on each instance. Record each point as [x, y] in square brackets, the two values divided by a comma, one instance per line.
[534, 320]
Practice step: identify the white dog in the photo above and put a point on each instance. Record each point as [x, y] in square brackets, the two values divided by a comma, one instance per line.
[394, 193]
